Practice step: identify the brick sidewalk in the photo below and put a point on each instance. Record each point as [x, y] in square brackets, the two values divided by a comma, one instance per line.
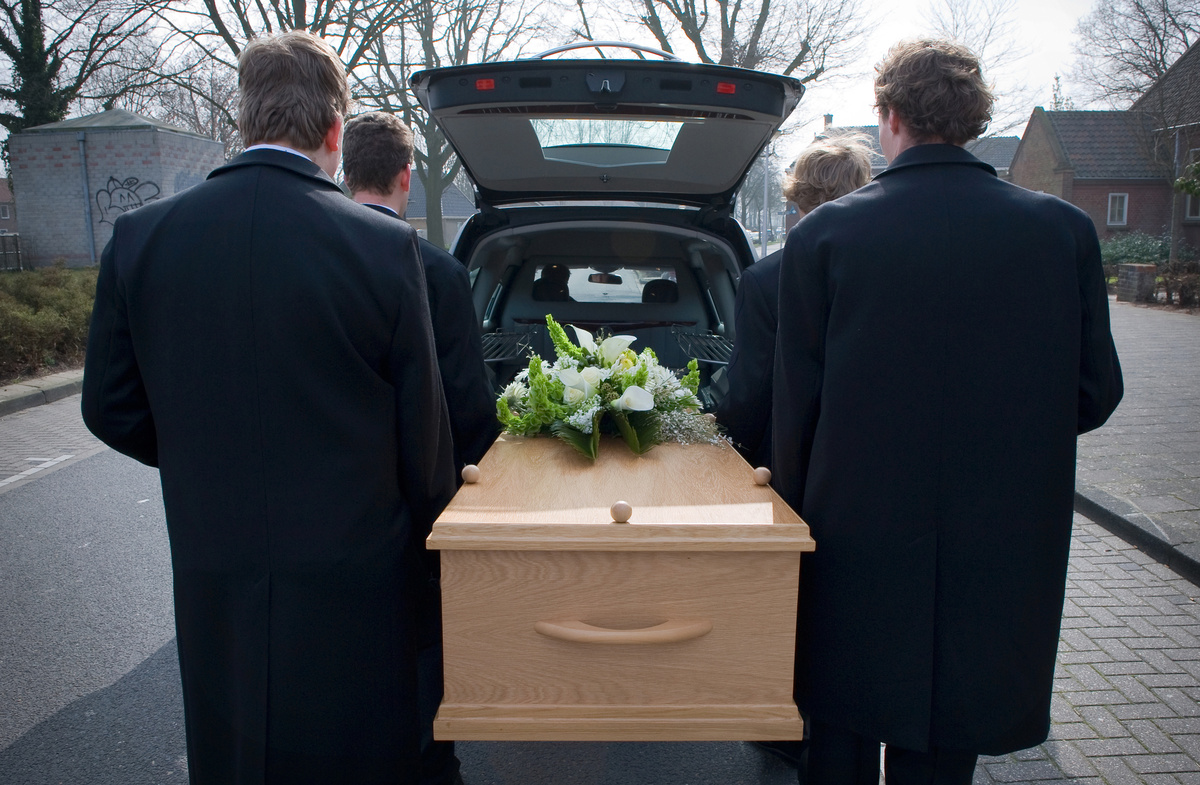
[1142, 468]
[1127, 689]
[42, 438]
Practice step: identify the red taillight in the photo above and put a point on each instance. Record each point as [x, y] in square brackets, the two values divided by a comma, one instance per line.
[485, 84]
[728, 88]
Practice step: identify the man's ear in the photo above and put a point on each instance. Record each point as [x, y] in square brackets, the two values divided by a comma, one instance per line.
[893, 121]
[404, 179]
[333, 137]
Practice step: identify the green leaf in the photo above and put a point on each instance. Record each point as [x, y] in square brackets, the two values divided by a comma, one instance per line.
[638, 429]
[588, 445]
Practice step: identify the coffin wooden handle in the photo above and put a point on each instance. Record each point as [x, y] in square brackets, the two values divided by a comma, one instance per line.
[582, 632]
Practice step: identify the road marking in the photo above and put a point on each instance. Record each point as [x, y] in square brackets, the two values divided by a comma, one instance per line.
[46, 464]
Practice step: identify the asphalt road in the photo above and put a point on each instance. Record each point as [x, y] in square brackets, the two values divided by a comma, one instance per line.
[89, 681]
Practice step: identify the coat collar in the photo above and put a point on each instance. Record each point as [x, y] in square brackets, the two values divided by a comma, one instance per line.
[280, 159]
[923, 154]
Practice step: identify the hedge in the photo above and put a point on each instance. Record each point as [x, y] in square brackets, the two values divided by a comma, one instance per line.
[44, 317]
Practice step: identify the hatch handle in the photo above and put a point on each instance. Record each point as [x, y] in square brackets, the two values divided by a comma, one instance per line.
[615, 44]
[581, 632]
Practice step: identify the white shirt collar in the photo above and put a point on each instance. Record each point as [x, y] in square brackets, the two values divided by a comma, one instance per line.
[384, 206]
[278, 147]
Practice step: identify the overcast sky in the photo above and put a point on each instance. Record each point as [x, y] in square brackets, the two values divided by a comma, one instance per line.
[1045, 28]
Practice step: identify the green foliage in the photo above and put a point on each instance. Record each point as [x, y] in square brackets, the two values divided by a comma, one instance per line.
[692, 380]
[1190, 182]
[44, 318]
[638, 429]
[1135, 248]
[562, 344]
[588, 445]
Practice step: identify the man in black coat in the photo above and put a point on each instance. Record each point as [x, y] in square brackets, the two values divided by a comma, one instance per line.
[266, 343]
[378, 154]
[943, 338]
[825, 170]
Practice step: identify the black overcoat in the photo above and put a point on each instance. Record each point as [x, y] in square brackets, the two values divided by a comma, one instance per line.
[745, 411]
[469, 395]
[943, 338]
[266, 343]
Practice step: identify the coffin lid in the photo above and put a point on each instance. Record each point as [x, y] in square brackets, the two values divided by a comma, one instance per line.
[537, 493]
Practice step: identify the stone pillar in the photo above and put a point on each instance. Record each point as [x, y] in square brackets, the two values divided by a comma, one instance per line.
[1136, 283]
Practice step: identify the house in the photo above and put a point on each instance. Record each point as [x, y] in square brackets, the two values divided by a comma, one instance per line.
[1107, 163]
[456, 209]
[1120, 166]
[8, 208]
[1174, 104]
[73, 178]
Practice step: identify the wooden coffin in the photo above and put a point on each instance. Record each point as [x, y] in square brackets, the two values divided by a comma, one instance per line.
[563, 625]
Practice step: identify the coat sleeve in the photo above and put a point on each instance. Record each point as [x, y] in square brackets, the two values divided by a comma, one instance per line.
[745, 410]
[115, 405]
[799, 366]
[469, 396]
[1100, 382]
[426, 463]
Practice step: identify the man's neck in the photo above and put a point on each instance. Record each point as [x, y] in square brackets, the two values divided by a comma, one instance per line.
[391, 201]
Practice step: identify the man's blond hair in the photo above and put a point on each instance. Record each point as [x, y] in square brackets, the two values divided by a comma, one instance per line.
[827, 169]
[293, 87]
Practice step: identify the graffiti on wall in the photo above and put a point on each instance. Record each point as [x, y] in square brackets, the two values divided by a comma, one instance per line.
[121, 196]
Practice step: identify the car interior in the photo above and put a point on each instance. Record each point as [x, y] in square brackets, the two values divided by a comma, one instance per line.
[670, 287]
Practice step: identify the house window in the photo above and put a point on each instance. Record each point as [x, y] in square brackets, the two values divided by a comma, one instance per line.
[1117, 204]
[4, 214]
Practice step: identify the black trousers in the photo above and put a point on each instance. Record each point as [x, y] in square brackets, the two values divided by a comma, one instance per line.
[842, 757]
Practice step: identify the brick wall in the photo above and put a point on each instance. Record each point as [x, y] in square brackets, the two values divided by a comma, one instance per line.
[126, 168]
[1148, 206]
[1036, 166]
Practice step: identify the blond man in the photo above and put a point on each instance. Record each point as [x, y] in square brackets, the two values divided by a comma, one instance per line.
[266, 343]
[825, 170]
[943, 338]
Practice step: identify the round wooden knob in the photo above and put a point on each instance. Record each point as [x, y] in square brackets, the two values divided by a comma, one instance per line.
[762, 475]
[470, 473]
[621, 512]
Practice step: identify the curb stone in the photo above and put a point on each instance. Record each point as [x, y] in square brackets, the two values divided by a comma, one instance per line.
[35, 392]
[1125, 520]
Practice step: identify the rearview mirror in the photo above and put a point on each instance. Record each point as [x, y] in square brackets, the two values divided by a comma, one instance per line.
[605, 278]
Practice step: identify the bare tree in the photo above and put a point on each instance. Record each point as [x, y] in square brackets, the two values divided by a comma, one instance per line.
[1127, 45]
[806, 39]
[206, 104]
[988, 28]
[439, 33]
[60, 52]
[207, 38]
[221, 28]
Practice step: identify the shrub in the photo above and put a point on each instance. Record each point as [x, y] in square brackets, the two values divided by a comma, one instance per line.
[44, 317]
[1180, 279]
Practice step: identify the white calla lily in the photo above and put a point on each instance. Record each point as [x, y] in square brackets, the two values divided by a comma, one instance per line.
[634, 399]
[577, 380]
[612, 347]
[585, 339]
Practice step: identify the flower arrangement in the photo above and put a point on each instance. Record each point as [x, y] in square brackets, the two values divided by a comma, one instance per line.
[597, 387]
